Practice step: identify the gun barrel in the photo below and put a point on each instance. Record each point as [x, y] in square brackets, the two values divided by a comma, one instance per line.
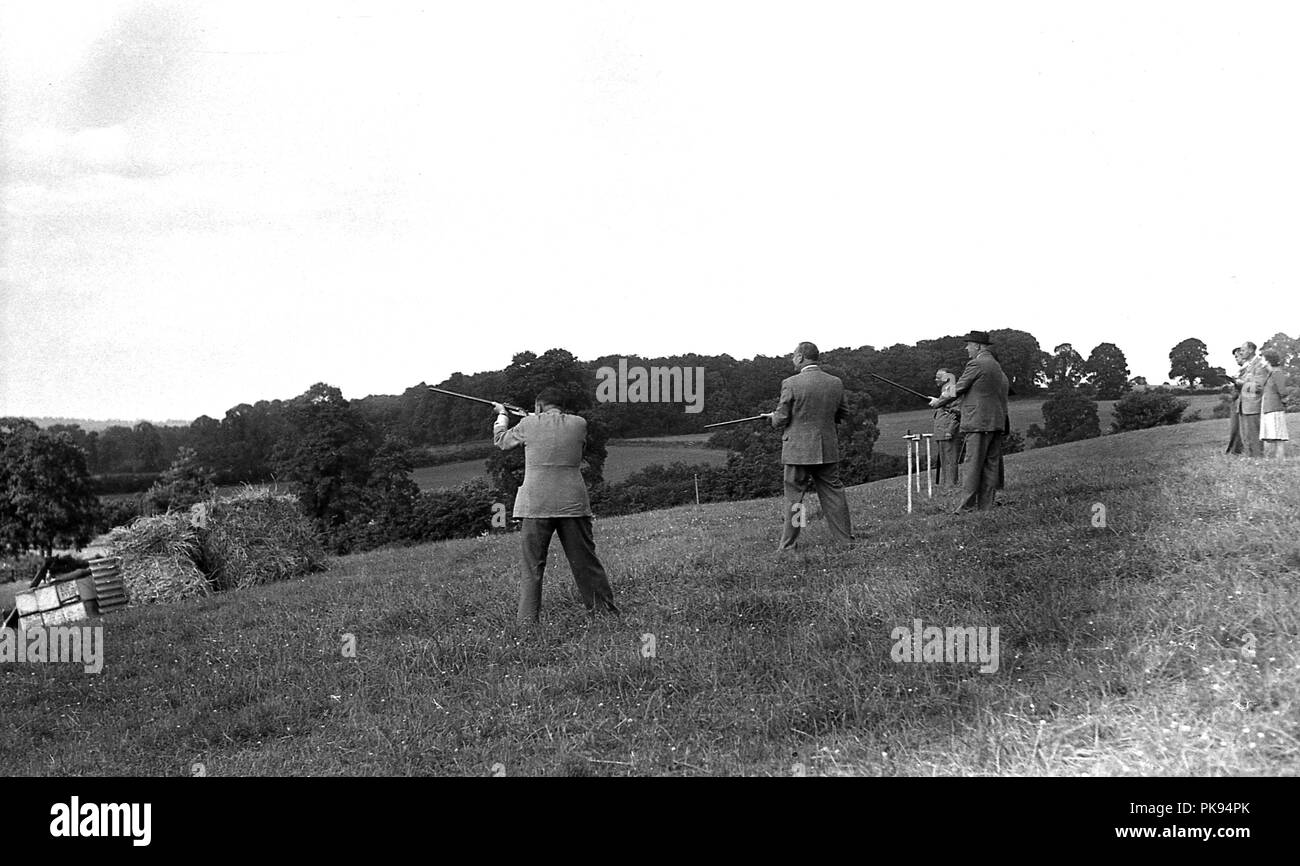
[896, 385]
[514, 410]
[737, 421]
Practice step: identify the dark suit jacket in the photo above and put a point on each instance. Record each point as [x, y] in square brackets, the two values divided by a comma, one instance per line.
[812, 403]
[982, 390]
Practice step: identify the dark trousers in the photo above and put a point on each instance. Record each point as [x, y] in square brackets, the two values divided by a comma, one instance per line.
[1234, 434]
[579, 548]
[825, 478]
[1248, 429]
[980, 476]
[949, 451]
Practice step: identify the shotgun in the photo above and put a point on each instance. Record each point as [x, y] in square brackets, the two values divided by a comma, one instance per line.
[737, 421]
[513, 410]
[896, 385]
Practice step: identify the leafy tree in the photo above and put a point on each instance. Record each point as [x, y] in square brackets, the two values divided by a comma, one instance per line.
[147, 447]
[858, 434]
[391, 502]
[1107, 371]
[1187, 362]
[1065, 367]
[1021, 359]
[1289, 349]
[45, 493]
[1139, 410]
[326, 456]
[184, 483]
[1069, 414]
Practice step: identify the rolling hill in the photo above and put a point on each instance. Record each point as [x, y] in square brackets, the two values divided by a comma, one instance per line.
[1160, 641]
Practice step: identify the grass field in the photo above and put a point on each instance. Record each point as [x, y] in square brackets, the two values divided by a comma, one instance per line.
[1162, 643]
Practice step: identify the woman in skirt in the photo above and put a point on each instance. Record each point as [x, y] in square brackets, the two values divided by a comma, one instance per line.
[1272, 419]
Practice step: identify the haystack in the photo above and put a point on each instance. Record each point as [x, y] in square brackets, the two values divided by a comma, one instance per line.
[158, 559]
[256, 537]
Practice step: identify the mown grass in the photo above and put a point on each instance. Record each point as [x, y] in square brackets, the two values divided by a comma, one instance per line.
[1124, 649]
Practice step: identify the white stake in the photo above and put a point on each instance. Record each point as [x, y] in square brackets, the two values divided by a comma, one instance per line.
[929, 470]
[908, 440]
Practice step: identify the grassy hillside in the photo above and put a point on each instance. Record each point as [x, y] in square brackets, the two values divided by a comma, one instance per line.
[1163, 643]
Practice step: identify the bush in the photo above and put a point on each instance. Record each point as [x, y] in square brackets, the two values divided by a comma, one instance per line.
[1140, 410]
[122, 482]
[1013, 443]
[1192, 417]
[20, 568]
[1069, 415]
[460, 512]
[119, 511]
[1223, 409]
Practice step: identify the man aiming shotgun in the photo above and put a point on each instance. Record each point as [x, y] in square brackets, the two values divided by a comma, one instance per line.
[553, 500]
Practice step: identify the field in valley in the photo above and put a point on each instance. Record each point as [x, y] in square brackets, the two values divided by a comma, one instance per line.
[630, 455]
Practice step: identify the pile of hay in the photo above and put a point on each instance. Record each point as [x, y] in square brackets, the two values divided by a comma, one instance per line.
[256, 537]
[158, 559]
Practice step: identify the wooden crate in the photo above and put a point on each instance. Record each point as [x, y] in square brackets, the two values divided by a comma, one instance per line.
[31, 619]
[66, 591]
[69, 613]
[47, 597]
[26, 603]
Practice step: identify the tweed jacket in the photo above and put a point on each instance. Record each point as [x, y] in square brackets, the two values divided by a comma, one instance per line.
[553, 444]
[812, 403]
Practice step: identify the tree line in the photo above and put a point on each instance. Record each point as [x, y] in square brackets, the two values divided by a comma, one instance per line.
[240, 446]
[350, 462]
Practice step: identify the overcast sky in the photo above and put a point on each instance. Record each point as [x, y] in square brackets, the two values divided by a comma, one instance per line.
[214, 203]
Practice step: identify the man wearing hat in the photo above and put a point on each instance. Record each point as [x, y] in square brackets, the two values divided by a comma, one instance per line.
[982, 390]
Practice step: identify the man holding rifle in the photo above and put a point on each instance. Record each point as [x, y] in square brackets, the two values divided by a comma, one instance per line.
[812, 403]
[553, 499]
[982, 390]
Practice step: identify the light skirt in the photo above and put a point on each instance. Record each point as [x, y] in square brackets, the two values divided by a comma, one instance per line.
[1272, 425]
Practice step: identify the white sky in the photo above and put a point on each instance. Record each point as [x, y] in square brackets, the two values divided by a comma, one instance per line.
[214, 203]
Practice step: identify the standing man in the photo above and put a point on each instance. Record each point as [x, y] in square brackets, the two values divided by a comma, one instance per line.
[982, 390]
[553, 499]
[947, 423]
[812, 403]
[1251, 379]
[1234, 430]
